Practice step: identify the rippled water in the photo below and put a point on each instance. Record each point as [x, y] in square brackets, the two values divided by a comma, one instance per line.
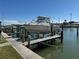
[68, 50]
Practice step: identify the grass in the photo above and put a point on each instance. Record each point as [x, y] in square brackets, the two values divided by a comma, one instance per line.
[2, 40]
[8, 52]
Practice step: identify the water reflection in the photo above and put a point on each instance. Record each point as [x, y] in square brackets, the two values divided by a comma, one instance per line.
[68, 50]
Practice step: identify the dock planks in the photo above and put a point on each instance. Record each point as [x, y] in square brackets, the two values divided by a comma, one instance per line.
[42, 39]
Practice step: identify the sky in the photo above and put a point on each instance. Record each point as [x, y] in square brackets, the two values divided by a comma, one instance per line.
[19, 11]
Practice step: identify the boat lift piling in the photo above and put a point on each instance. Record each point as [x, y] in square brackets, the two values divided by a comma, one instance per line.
[77, 31]
[29, 40]
[52, 33]
[62, 34]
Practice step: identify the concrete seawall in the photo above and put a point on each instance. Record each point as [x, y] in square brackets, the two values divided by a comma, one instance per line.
[22, 50]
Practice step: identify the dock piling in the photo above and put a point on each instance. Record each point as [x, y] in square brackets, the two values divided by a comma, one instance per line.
[51, 41]
[29, 45]
[52, 33]
[51, 29]
[29, 40]
[77, 31]
[62, 35]
[62, 26]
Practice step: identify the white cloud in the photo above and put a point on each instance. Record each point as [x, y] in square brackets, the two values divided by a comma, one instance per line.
[9, 22]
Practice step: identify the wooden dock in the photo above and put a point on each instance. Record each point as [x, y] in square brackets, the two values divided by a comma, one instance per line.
[43, 39]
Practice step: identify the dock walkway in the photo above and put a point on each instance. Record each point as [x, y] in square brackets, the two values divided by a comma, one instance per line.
[42, 39]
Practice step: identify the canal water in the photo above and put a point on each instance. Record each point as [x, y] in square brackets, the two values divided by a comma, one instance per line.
[68, 50]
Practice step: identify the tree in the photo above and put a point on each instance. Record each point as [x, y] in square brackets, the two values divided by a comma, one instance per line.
[65, 22]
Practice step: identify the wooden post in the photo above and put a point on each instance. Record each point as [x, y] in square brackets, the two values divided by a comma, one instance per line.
[38, 45]
[62, 27]
[77, 31]
[29, 45]
[52, 33]
[52, 41]
[17, 30]
[12, 29]
[38, 35]
[62, 36]
[25, 33]
[51, 29]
